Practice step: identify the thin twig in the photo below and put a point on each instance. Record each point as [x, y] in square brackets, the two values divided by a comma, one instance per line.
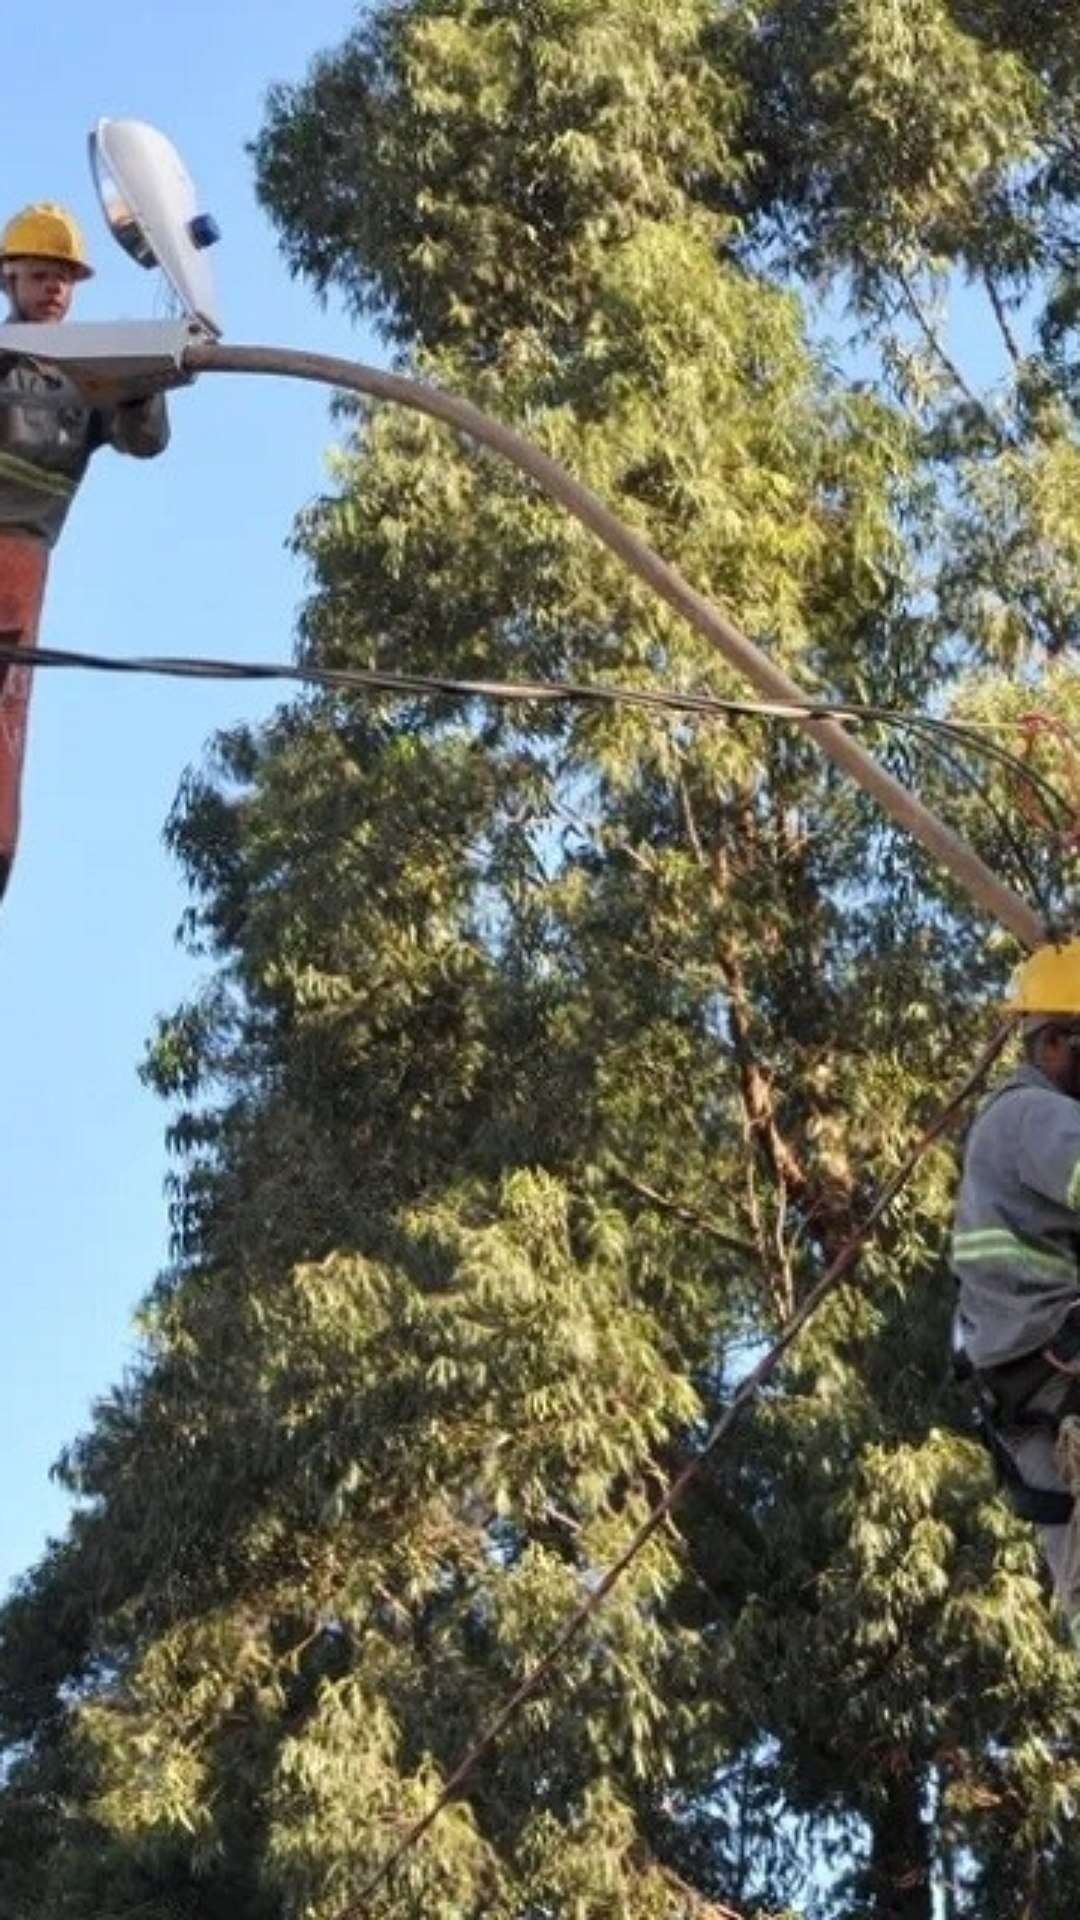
[692, 1215]
[1012, 346]
[937, 347]
[690, 820]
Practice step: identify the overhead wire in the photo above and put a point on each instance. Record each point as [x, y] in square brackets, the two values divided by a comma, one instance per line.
[1010, 838]
[745, 1394]
[977, 737]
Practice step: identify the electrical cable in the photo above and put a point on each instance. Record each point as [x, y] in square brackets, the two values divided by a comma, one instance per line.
[743, 1397]
[1010, 838]
[978, 739]
[376, 680]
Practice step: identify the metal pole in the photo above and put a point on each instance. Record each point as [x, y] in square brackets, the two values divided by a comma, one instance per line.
[967, 869]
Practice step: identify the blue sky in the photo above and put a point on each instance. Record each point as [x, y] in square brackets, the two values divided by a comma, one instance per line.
[186, 555]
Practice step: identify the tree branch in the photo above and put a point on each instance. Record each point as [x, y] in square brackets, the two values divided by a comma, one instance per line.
[1012, 345]
[945, 361]
[690, 820]
[698, 1904]
[680, 1211]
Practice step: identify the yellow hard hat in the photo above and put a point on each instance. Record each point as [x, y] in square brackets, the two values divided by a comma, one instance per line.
[1047, 982]
[46, 232]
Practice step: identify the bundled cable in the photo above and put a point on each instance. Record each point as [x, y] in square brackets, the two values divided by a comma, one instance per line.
[1055, 809]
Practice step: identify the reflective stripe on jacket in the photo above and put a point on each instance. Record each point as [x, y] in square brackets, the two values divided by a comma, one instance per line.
[1017, 1228]
[48, 433]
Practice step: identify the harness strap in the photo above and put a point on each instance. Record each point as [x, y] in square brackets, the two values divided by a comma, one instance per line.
[1042, 1506]
[1003, 1398]
[1017, 1382]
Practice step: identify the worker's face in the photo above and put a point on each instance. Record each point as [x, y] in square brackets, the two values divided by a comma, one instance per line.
[39, 290]
[1059, 1058]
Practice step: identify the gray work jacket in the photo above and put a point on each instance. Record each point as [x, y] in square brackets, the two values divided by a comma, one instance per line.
[48, 432]
[1017, 1229]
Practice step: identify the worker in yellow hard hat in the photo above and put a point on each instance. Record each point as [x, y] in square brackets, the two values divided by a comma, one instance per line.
[48, 433]
[1015, 1245]
[43, 256]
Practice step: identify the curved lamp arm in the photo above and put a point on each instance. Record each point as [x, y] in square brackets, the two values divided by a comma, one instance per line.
[962, 862]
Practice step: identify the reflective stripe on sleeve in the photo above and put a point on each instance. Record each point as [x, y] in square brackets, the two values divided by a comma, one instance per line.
[26, 474]
[997, 1244]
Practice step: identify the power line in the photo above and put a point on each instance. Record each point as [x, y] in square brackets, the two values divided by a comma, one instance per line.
[975, 736]
[1010, 838]
[741, 1399]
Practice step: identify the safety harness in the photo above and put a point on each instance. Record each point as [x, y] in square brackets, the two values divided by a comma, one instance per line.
[1003, 1397]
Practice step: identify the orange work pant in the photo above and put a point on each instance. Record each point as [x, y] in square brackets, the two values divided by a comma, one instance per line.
[23, 565]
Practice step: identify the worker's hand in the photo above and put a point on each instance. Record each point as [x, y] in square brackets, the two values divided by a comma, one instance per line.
[1070, 1368]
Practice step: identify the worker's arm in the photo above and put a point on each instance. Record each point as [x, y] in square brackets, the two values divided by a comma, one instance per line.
[138, 427]
[1049, 1149]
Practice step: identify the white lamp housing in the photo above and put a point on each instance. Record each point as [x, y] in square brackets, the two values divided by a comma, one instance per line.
[152, 210]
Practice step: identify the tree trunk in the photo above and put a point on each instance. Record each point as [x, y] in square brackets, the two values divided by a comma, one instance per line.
[899, 1877]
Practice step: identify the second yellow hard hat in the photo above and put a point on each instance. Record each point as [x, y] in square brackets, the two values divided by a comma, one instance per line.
[1047, 982]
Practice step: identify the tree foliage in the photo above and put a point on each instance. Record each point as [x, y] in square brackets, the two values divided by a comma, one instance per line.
[547, 1054]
